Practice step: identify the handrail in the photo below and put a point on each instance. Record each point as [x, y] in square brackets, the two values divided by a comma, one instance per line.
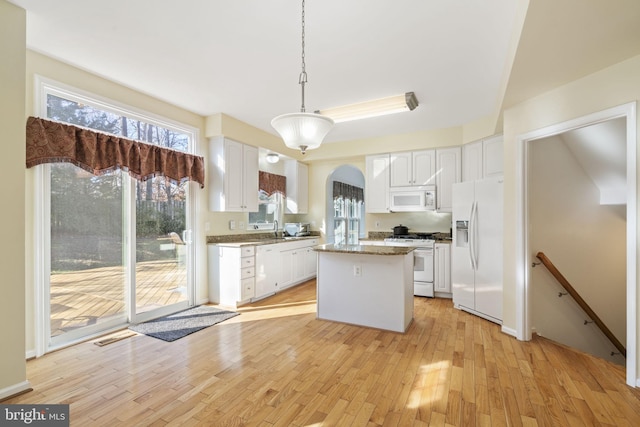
[582, 303]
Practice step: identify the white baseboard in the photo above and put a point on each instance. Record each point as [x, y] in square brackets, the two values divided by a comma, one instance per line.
[509, 331]
[30, 354]
[15, 389]
[202, 301]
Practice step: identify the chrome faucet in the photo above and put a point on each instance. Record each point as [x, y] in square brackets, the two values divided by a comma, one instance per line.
[275, 228]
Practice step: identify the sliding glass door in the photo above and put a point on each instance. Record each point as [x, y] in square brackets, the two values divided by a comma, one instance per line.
[87, 279]
[162, 236]
[117, 250]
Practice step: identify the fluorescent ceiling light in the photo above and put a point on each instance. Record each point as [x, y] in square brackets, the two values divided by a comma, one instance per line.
[374, 108]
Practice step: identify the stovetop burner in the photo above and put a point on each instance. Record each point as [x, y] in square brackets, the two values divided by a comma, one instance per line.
[414, 236]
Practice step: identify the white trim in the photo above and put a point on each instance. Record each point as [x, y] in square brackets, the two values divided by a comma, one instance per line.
[41, 263]
[129, 255]
[632, 245]
[42, 245]
[523, 252]
[15, 389]
[509, 331]
[46, 86]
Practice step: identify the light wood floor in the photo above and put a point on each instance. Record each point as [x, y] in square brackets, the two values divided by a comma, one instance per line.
[277, 365]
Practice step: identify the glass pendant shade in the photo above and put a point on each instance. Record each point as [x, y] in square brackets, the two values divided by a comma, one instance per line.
[302, 131]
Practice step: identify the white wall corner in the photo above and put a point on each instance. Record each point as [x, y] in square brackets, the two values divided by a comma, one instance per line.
[613, 196]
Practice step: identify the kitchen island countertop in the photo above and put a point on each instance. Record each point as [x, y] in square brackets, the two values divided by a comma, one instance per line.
[364, 249]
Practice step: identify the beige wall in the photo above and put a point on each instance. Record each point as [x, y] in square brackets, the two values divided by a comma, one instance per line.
[585, 241]
[610, 87]
[388, 143]
[12, 253]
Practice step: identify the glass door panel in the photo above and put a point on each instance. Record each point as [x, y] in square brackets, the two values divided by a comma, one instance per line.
[161, 245]
[87, 274]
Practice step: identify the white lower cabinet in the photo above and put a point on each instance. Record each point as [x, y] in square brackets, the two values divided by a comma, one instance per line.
[298, 263]
[267, 270]
[310, 262]
[442, 269]
[231, 274]
[292, 266]
[282, 265]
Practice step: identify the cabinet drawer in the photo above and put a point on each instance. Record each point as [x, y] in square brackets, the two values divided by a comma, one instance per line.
[247, 251]
[247, 272]
[247, 290]
[247, 261]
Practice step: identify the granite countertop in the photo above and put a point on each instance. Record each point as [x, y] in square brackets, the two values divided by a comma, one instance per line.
[244, 240]
[364, 249]
[381, 235]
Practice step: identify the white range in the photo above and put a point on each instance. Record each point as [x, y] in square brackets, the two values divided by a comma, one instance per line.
[422, 262]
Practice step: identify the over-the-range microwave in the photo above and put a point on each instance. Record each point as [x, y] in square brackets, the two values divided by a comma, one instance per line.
[413, 199]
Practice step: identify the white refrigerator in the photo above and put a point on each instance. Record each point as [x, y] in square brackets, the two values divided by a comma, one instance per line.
[476, 250]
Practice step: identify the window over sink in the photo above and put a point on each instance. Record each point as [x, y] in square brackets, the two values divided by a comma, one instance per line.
[271, 195]
[270, 210]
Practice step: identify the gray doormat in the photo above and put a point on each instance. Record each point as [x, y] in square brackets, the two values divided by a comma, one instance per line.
[178, 325]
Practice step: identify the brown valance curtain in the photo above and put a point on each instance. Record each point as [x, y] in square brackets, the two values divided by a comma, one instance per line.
[347, 191]
[98, 153]
[271, 183]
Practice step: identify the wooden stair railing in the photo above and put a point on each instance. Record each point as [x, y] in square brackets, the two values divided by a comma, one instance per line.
[582, 303]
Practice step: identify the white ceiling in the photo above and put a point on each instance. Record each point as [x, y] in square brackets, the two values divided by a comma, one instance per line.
[242, 58]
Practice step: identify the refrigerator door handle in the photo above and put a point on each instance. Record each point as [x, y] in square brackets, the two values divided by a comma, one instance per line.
[475, 235]
[470, 237]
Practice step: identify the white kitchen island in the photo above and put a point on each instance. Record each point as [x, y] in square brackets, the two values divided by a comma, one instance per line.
[366, 285]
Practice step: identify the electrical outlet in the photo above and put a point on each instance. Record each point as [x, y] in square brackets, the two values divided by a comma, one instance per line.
[377, 224]
[357, 270]
[241, 225]
[232, 225]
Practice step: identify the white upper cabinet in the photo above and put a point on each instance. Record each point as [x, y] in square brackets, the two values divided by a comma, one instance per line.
[448, 166]
[493, 156]
[412, 168]
[401, 169]
[472, 161]
[233, 176]
[424, 167]
[482, 159]
[376, 187]
[297, 187]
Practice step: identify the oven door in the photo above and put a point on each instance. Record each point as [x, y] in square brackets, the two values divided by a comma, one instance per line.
[423, 265]
[423, 272]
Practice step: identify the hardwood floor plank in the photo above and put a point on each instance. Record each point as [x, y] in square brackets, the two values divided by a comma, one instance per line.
[277, 365]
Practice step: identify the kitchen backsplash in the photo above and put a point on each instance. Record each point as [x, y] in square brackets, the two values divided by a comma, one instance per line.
[418, 222]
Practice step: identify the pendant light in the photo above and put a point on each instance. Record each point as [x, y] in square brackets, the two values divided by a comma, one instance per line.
[302, 131]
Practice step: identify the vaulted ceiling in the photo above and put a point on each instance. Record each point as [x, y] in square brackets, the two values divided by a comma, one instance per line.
[464, 59]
